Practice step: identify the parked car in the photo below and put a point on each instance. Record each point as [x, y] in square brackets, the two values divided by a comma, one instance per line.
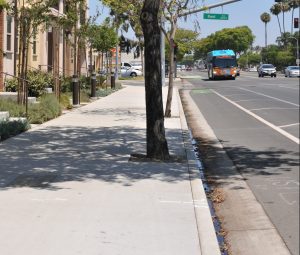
[266, 70]
[136, 65]
[292, 71]
[180, 67]
[130, 72]
[125, 64]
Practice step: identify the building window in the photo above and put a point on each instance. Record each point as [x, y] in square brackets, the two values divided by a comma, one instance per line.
[8, 33]
[8, 42]
[34, 48]
[34, 41]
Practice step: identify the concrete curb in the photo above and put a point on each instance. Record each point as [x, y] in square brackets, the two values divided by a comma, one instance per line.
[206, 231]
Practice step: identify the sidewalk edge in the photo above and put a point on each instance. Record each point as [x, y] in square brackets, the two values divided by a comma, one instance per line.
[206, 231]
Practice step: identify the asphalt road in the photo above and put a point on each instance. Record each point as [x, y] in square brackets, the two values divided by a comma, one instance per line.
[257, 121]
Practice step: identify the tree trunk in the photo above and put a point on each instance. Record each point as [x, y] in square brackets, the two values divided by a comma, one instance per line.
[171, 80]
[266, 43]
[279, 25]
[157, 146]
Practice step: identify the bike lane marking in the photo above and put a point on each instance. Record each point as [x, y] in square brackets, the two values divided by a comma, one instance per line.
[278, 129]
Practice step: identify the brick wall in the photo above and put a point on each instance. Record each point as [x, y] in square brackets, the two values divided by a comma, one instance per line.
[1, 48]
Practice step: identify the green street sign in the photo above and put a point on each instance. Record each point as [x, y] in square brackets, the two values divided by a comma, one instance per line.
[215, 16]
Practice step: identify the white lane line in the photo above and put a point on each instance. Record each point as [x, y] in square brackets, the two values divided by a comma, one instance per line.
[279, 130]
[273, 108]
[289, 125]
[261, 94]
[288, 87]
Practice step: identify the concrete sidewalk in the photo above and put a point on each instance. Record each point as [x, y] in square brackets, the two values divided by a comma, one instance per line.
[67, 187]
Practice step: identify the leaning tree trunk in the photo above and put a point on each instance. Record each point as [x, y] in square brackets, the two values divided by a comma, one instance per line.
[171, 79]
[157, 146]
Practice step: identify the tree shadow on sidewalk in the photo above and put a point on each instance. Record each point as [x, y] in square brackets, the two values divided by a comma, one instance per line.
[46, 158]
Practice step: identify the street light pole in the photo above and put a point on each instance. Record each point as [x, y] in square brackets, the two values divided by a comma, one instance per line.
[297, 50]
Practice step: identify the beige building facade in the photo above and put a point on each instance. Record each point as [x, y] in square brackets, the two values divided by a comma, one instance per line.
[51, 49]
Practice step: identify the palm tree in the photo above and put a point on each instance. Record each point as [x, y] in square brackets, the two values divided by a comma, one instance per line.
[285, 7]
[276, 10]
[294, 4]
[265, 17]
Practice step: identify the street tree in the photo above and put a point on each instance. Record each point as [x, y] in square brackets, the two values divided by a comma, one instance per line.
[75, 25]
[265, 18]
[127, 13]
[185, 41]
[285, 7]
[157, 146]
[102, 38]
[238, 39]
[294, 4]
[276, 10]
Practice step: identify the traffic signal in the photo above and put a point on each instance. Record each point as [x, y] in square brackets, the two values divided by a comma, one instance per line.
[296, 22]
[122, 43]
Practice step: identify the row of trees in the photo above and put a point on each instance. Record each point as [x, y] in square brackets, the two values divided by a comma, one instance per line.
[280, 8]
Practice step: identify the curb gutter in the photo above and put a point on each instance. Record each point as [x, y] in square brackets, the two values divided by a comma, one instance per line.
[206, 231]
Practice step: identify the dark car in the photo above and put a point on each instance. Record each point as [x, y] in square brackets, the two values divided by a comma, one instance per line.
[266, 70]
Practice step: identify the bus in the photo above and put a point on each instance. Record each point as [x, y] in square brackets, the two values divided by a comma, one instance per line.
[221, 64]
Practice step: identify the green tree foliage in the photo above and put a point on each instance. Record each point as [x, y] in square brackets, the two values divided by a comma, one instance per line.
[127, 13]
[249, 59]
[102, 37]
[238, 39]
[3, 5]
[185, 40]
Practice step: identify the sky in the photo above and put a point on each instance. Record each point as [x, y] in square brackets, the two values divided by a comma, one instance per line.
[242, 13]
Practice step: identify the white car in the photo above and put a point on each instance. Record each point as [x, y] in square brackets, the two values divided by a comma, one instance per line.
[292, 71]
[136, 65]
[130, 72]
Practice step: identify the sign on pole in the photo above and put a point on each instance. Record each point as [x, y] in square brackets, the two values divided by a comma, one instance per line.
[219, 16]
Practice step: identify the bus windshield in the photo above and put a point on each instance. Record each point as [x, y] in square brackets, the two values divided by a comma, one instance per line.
[224, 62]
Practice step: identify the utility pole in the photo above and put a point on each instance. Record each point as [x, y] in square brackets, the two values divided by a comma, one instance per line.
[297, 50]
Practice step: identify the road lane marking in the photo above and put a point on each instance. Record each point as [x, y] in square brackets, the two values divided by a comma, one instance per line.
[289, 125]
[261, 94]
[278, 129]
[273, 108]
[288, 87]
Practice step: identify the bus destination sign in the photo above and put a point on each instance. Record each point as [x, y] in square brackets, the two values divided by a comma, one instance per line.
[219, 16]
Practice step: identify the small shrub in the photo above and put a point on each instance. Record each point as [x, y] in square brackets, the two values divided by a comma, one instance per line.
[85, 96]
[38, 81]
[100, 80]
[12, 128]
[108, 91]
[64, 101]
[66, 84]
[11, 85]
[14, 109]
[48, 108]
[85, 82]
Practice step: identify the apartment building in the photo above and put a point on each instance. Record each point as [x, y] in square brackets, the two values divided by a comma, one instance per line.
[51, 48]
